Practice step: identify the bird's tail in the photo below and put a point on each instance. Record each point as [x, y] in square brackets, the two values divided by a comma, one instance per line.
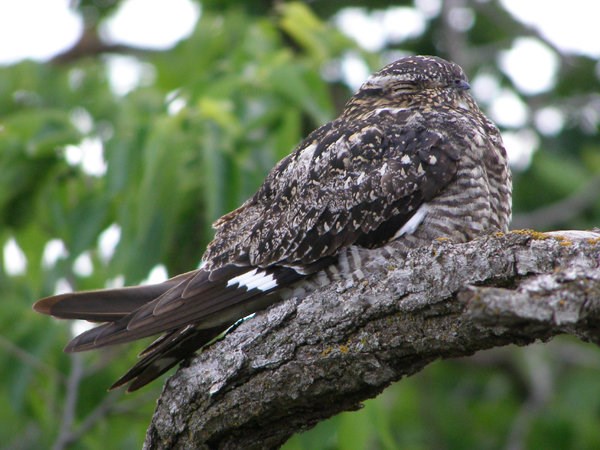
[103, 305]
[191, 310]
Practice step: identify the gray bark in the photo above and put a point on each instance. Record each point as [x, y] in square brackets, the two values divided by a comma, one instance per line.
[300, 362]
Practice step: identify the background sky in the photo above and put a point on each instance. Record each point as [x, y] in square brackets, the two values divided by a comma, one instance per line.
[39, 29]
[160, 24]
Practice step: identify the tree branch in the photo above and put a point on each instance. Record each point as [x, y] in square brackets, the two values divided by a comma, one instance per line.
[91, 45]
[300, 362]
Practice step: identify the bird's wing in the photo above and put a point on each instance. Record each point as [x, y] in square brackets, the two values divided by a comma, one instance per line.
[347, 183]
[166, 352]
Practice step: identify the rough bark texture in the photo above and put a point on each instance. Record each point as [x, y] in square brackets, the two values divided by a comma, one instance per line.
[300, 362]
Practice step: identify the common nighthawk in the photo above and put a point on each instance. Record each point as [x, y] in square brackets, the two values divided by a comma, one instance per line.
[411, 158]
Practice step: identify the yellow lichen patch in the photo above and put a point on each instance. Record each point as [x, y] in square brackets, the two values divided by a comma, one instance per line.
[326, 351]
[593, 241]
[538, 235]
[344, 349]
[499, 234]
[562, 240]
[442, 239]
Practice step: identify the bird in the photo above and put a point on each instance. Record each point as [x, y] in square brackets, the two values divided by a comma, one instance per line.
[410, 159]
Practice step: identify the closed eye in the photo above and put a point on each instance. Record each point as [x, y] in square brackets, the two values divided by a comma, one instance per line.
[372, 91]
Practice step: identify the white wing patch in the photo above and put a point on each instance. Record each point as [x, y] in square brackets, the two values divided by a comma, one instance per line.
[254, 279]
[410, 226]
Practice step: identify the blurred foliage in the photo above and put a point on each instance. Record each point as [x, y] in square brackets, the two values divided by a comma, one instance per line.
[190, 142]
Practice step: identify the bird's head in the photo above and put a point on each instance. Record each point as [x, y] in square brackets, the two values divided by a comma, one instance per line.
[428, 80]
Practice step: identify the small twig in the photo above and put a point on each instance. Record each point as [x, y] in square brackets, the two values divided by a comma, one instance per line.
[104, 408]
[90, 45]
[574, 354]
[540, 386]
[514, 27]
[68, 416]
[109, 405]
[29, 359]
[559, 213]
[453, 40]
[106, 356]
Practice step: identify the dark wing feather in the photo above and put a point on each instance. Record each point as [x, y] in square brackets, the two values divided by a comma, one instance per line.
[354, 182]
[166, 352]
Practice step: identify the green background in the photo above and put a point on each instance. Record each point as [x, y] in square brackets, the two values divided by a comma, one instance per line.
[249, 82]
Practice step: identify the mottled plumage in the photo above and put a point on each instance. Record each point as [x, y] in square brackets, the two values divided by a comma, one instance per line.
[410, 159]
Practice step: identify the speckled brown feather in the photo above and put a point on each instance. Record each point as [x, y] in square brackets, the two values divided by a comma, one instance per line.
[410, 159]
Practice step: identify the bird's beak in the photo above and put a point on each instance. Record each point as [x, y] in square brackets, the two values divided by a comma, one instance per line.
[463, 85]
